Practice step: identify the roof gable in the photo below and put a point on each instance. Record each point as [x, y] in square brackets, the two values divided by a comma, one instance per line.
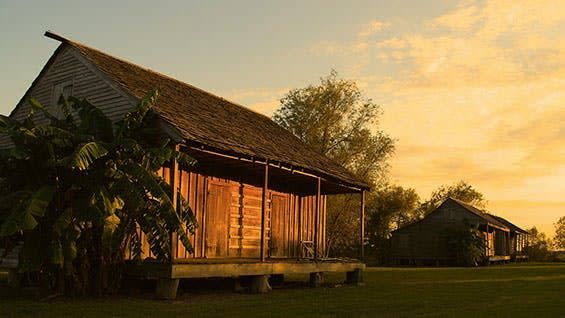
[202, 118]
[481, 214]
[490, 219]
[66, 66]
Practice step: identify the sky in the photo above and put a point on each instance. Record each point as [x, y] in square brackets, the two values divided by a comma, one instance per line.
[471, 90]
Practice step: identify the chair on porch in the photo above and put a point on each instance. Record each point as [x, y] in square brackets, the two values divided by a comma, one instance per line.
[307, 249]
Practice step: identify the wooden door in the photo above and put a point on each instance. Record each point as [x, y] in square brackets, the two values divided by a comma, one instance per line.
[279, 226]
[217, 219]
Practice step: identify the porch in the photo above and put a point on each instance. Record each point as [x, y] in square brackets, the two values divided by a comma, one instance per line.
[257, 272]
[256, 218]
[497, 242]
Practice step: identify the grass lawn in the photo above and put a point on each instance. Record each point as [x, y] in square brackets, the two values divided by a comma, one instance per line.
[517, 290]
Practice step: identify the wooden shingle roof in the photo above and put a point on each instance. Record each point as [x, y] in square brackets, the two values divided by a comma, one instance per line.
[509, 224]
[206, 119]
[478, 212]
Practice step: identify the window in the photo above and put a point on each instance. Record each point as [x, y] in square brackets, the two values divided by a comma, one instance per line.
[64, 90]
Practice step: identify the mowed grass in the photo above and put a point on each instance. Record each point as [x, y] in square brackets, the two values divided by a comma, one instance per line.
[525, 290]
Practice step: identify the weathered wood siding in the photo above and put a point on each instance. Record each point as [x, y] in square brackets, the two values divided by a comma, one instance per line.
[426, 239]
[67, 65]
[500, 243]
[229, 219]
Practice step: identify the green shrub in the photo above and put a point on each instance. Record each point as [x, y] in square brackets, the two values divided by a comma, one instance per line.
[466, 245]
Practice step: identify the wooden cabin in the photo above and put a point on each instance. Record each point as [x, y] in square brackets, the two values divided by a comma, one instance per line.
[425, 242]
[258, 192]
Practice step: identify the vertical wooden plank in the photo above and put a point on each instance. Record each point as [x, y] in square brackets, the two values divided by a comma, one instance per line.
[317, 219]
[311, 216]
[203, 196]
[192, 188]
[299, 225]
[174, 182]
[193, 194]
[288, 225]
[362, 227]
[305, 208]
[263, 210]
[306, 218]
[296, 221]
[307, 212]
[323, 226]
[166, 175]
[188, 188]
[181, 250]
[292, 225]
[185, 194]
[241, 218]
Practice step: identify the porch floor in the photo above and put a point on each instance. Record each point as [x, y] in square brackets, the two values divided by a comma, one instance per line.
[499, 258]
[232, 267]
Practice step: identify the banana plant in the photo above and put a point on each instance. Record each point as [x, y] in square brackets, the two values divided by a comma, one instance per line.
[76, 188]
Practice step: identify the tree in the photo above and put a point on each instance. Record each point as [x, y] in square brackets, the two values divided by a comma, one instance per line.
[466, 244]
[460, 190]
[388, 209]
[77, 188]
[559, 238]
[336, 120]
[538, 245]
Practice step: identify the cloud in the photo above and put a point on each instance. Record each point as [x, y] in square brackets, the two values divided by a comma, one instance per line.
[263, 100]
[357, 51]
[476, 93]
[462, 19]
[372, 28]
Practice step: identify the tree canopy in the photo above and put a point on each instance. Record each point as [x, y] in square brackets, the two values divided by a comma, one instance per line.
[78, 188]
[335, 119]
[392, 208]
[461, 190]
[388, 208]
[538, 245]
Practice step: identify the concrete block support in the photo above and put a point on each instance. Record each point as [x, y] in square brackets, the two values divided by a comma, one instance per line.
[316, 279]
[167, 288]
[355, 277]
[259, 284]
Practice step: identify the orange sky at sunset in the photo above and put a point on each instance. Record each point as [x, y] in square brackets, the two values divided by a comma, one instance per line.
[474, 94]
[471, 90]
[482, 98]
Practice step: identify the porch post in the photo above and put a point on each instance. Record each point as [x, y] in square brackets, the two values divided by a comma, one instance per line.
[317, 219]
[264, 208]
[362, 227]
[174, 182]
